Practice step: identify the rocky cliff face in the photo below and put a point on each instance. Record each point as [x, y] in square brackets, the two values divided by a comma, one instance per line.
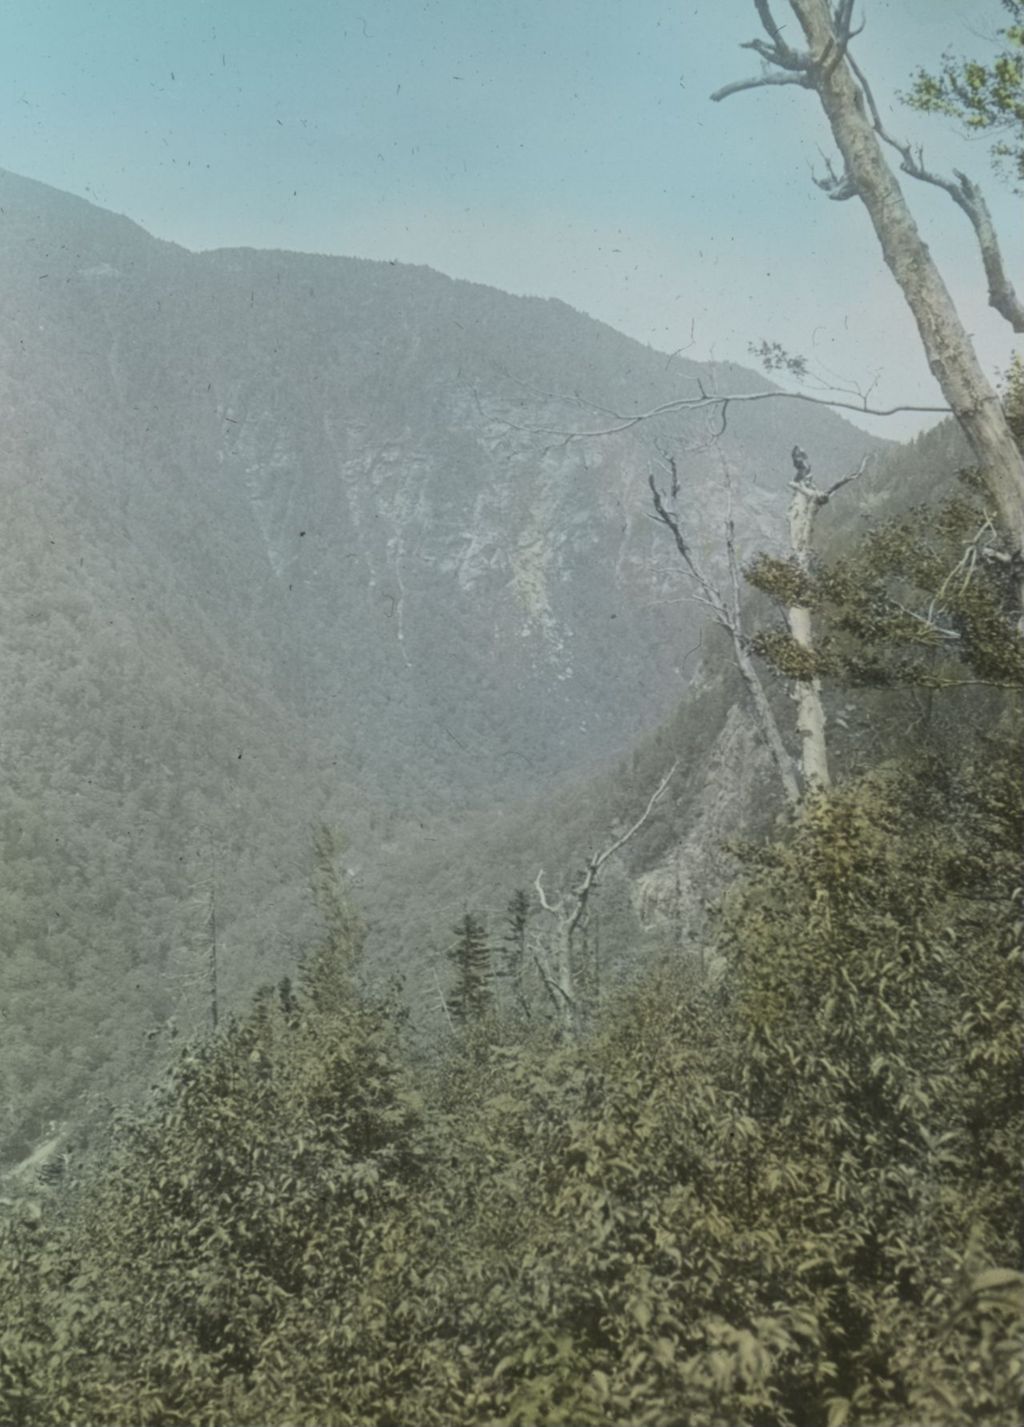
[289, 538]
[354, 467]
[736, 783]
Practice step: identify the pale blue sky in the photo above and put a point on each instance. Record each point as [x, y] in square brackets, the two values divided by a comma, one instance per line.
[560, 147]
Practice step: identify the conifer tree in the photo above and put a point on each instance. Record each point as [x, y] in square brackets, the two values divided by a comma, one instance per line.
[517, 916]
[471, 957]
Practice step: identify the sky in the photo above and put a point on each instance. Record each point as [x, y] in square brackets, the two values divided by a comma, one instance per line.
[562, 148]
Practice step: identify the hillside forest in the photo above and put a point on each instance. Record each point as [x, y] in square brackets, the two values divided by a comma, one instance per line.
[511, 914]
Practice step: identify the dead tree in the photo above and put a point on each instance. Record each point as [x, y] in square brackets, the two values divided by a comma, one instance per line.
[728, 615]
[827, 68]
[554, 955]
[806, 502]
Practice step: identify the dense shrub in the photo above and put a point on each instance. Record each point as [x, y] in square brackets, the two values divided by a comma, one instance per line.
[784, 1195]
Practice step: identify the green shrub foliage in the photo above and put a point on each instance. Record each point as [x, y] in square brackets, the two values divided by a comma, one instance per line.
[782, 1191]
[786, 1193]
[922, 600]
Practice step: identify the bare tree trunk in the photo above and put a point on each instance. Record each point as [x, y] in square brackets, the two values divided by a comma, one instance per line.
[730, 617]
[947, 345]
[765, 718]
[554, 959]
[211, 965]
[804, 506]
[810, 711]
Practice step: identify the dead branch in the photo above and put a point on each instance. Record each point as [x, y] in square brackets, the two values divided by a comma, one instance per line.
[582, 890]
[731, 620]
[555, 961]
[826, 496]
[968, 197]
[541, 895]
[778, 51]
[442, 1002]
[794, 67]
[696, 403]
[804, 80]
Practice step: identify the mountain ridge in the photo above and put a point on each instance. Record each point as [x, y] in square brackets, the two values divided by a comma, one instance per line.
[285, 542]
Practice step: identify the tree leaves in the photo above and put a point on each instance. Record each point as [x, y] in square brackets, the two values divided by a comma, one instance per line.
[788, 1195]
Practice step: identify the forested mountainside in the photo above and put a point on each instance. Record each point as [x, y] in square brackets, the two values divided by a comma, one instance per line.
[776, 1181]
[283, 546]
[328, 458]
[267, 520]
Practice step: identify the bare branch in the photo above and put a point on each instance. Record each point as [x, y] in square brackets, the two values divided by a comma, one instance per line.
[838, 186]
[1002, 295]
[937, 683]
[761, 82]
[826, 496]
[598, 862]
[795, 66]
[542, 897]
[844, 22]
[966, 194]
[581, 892]
[928, 620]
[709, 593]
[838, 44]
[553, 987]
[734, 568]
[780, 51]
[667, 518]
[443, 1002]
[555, 962]
[731, 621]
[697, 403]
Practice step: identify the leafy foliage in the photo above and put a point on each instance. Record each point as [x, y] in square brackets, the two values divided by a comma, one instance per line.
[921, 600]
[787, 1193]
[775, 358]
[985, 98]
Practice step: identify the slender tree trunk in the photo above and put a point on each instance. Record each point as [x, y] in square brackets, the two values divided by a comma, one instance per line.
[948, 347]
[562, 969]
[211, 965]
[731, 619]
[765, 720]
[555, 963]
[810, 711]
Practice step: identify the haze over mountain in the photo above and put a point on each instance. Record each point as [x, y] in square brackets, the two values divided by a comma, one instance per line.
[291, 538]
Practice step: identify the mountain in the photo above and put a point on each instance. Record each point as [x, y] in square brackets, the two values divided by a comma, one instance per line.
[291, 539]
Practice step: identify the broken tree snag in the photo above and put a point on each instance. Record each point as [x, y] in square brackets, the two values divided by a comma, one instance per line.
[807, 500]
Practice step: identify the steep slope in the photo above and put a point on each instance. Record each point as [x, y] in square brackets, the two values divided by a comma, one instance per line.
[289, 537]
[338, 459]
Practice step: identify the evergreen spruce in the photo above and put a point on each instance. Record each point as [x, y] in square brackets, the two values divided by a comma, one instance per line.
[471, 957]
[517, 916]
